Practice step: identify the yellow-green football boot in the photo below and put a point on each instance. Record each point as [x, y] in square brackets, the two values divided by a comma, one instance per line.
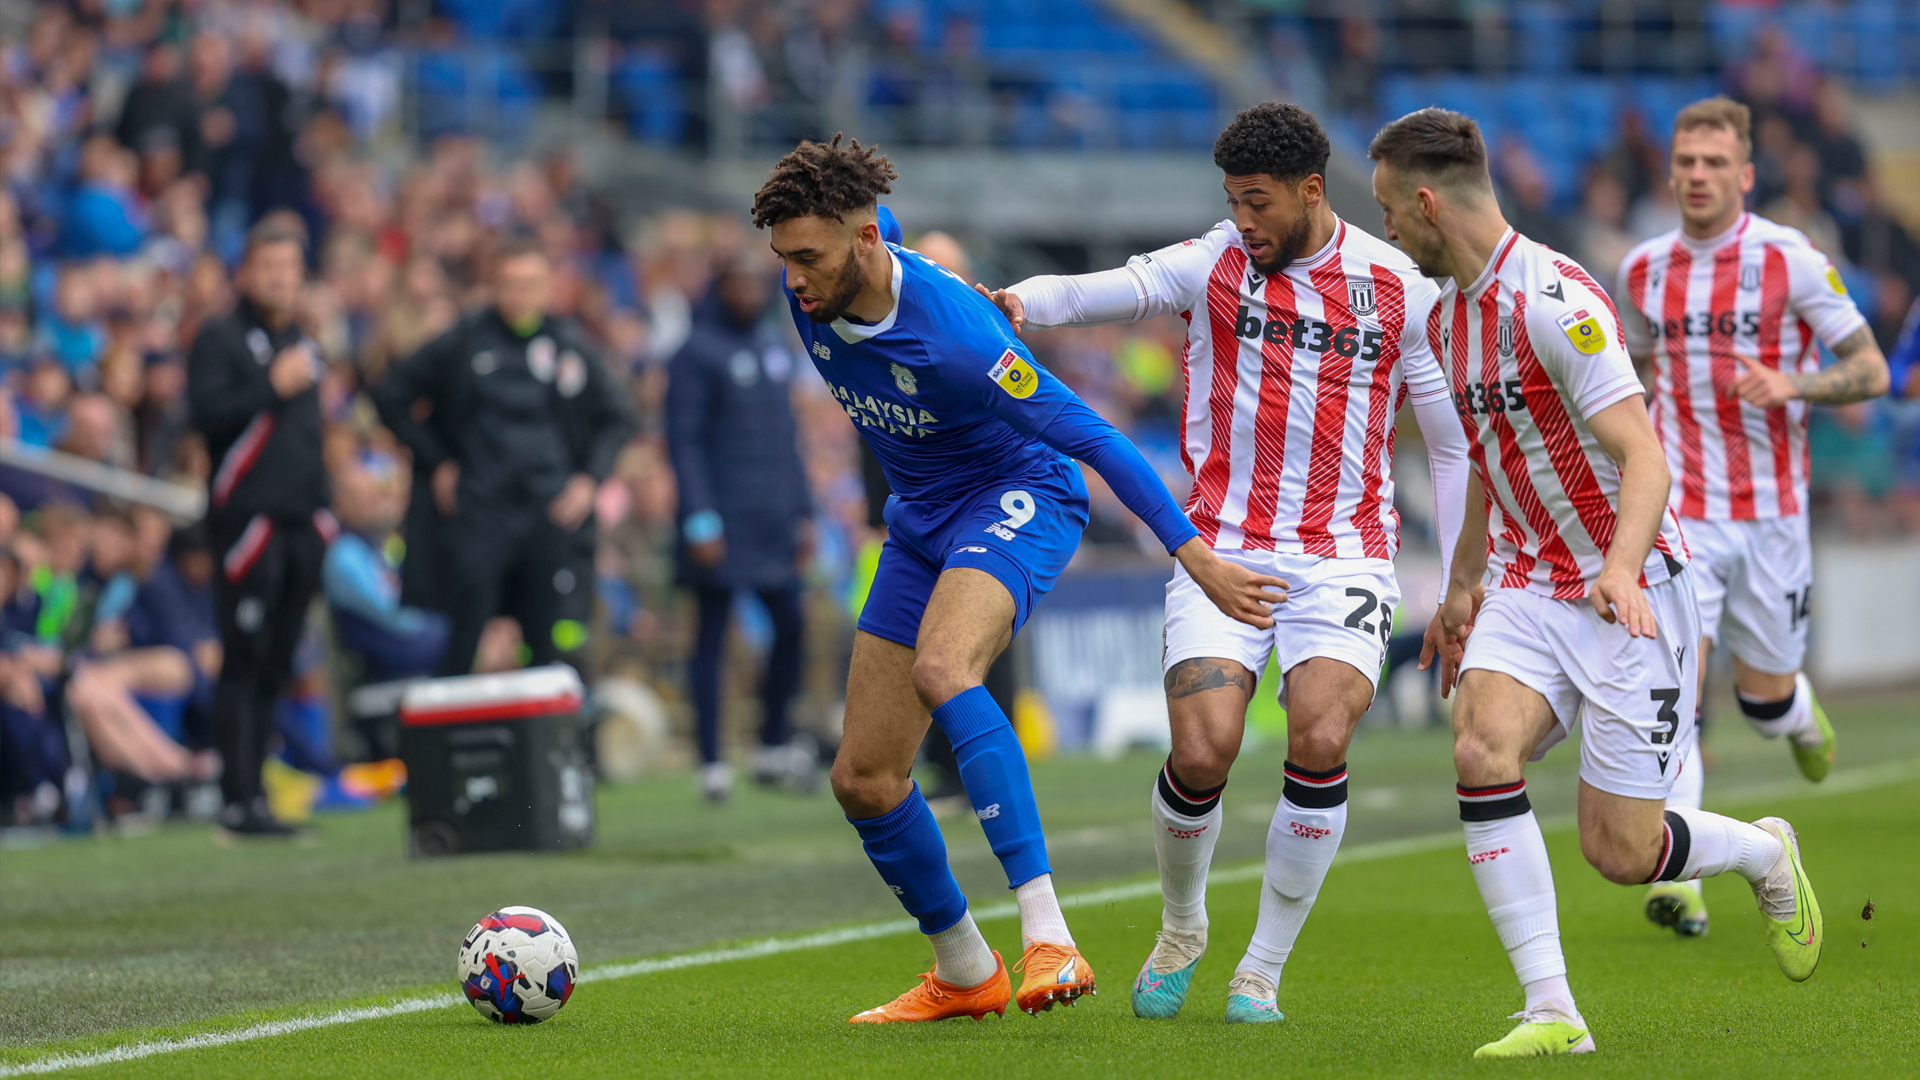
[1679, 905]
[1815, 761]
[1788, 909]
[1541, 1033]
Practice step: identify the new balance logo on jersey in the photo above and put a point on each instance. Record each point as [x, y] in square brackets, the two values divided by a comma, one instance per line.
[988, 812]
[1479, 857]
[820, 350]
[1309, 832]
[1185, 834]
[1311, 335]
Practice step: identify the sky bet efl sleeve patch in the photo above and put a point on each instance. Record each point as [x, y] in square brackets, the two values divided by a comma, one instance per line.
[1014, 375]
[1584, 331]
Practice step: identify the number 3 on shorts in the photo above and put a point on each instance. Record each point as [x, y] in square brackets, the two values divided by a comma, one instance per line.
[1019, 508]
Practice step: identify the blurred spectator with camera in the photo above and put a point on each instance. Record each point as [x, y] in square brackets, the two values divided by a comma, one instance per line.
[745, 512]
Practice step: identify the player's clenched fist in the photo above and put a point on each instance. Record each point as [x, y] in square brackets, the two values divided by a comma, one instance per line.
[1009, 305]
[1237, 591]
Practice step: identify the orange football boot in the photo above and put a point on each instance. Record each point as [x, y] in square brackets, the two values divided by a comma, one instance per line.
[934, 999]
[1053, 974]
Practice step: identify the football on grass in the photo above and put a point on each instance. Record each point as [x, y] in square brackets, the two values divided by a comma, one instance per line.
[518, 966]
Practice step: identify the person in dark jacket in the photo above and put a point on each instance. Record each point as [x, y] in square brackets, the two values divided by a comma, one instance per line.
[252, 378]
[517, 422]
[744, 508]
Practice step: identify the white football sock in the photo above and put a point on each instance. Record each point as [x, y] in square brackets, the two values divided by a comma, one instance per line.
[1184, 848]
[1551, 992]
[1301, 844]
[1717, 844]
[1509, 860]
[1687, 786]
[1040, 915]
[1796, 722]
[960, 954]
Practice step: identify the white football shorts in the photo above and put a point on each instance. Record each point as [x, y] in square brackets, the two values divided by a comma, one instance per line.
[1337, 608]
[1753, 582]
[1632, 698]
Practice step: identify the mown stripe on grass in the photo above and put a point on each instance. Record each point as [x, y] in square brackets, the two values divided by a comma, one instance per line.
[1840, 783]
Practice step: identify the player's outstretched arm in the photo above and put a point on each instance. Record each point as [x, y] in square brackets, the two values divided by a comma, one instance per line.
[1107, 296]
[1080, 433]
[1858, 373]
[1625, 432]
[1158, 283]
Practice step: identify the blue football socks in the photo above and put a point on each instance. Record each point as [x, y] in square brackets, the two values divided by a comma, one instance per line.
[905, 845]
[994, 769]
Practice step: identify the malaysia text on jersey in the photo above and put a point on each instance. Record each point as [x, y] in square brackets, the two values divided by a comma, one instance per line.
[1758, 290]
[1532, 350]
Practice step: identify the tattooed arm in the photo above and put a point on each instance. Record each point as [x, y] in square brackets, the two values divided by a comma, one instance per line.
[1859, 373]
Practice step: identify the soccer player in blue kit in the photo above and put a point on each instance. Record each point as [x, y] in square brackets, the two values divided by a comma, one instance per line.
[975, 440]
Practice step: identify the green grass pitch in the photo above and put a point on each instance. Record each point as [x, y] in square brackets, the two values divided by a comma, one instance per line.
[1398, 972]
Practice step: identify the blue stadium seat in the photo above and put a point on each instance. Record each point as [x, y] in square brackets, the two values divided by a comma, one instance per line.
[1545, 31]
[1807, 26]
[473, 88]
[1733, 26]
[1877, 42]
[648, 86]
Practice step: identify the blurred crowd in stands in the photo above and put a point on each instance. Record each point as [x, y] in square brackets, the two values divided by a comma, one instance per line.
[140, 140]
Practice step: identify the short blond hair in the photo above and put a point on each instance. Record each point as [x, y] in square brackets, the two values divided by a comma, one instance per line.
[1719, 111]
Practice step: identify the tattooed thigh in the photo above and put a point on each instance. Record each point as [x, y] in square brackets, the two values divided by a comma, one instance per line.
[1203, 673]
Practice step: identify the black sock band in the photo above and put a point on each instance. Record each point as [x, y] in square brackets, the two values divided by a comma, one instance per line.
[1766, 710]
[1311, 790]
[1183, 800]
[1493, 802]
[1678, 845]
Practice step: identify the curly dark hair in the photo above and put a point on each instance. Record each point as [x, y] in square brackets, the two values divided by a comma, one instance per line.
[823, 180]
[1284, 141]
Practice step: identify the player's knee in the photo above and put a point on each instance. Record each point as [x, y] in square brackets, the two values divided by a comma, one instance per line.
[938, 679]
[1317, 743]
[1200, 762]
[1619, 863]
[1478, 762]
[863, 793]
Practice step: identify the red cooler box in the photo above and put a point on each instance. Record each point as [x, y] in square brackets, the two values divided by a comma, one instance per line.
[497, 763]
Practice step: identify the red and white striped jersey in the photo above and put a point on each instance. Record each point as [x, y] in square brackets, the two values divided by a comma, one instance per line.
[1292, 382]
[1532, 350]
[1758, 290]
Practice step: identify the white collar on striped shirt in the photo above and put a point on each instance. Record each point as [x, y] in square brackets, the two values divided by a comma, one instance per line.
[852, 331]
[1710, 243]
[1329, 250]
[1487, 272]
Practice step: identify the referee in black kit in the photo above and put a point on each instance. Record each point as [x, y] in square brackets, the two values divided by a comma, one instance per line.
[252, 379]
[517, 422]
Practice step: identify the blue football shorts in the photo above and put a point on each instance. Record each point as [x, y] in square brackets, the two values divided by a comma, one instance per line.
[1022, 531]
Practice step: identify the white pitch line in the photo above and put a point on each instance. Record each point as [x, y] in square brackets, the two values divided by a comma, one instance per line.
[1852, 780]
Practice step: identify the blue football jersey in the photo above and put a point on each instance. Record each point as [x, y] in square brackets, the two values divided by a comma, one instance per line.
[949, 399]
